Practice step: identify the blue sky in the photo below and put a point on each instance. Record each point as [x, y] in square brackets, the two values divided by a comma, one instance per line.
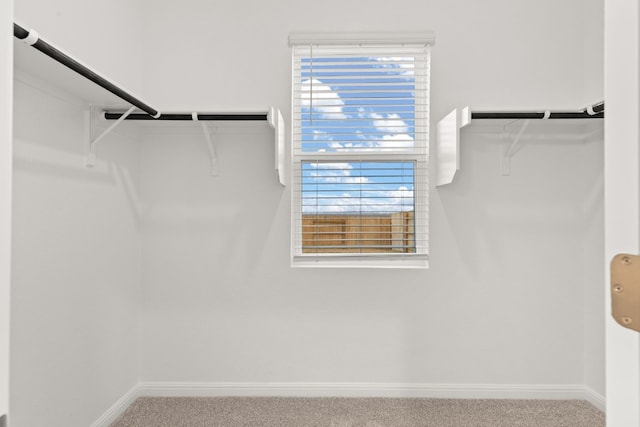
[357, 104]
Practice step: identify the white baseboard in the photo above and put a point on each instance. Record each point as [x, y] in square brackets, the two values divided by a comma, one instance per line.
[118, 408]
[281, 389]
[450, 391]
[596, 399]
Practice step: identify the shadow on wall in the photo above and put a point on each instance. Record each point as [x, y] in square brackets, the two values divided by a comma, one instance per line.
[220, 224]
[108, 175]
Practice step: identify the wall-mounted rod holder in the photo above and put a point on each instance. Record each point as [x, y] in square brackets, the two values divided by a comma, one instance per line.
[277, 123]
[448, 144]
[31, 38]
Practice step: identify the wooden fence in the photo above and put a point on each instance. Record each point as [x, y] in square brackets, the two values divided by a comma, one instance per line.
[392, 233]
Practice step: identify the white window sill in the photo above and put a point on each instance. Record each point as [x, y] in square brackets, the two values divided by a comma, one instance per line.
[372, 261]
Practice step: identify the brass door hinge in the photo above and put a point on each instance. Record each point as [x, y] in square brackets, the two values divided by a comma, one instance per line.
[625, 290]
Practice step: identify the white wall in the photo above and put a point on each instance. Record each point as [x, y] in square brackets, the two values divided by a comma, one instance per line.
[594, 307]
[6, 95]
[76, 243]
[593, 246]
[76, 266]
[501, 303]
[488, 54]
[593, 45]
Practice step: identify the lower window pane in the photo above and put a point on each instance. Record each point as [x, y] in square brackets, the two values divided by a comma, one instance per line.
[358, 207]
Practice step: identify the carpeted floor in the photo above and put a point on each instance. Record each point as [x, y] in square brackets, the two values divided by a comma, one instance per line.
[352, 412]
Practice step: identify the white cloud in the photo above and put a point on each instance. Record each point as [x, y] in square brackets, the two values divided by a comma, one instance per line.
[394, 129]
[372, 201]
[391, 123]
[321, 98]
[388, 200]
[344, 165]
[318, 135]
[402, 198]
[336, 173]
[349, 180]
[344, 204]
[405, 63]
[398, 141]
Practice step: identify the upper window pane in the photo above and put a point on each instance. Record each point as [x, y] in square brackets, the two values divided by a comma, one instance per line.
[358, 103]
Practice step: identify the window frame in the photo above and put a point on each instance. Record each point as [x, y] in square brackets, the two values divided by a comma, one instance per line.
[419, 155]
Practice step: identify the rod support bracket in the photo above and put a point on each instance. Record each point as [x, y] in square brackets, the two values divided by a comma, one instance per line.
[508, 149]
[209, 132]
[91, 142]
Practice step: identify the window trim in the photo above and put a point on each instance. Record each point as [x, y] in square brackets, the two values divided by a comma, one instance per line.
[354, 39]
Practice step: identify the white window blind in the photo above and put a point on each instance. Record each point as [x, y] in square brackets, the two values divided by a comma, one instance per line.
[360, 152]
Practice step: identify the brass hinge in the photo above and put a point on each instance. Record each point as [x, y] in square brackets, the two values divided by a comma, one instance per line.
[625, 290]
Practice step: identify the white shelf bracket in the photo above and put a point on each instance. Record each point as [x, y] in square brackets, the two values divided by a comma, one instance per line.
[448, 144]
[274, 117]
[507, 149]
[90, 142]
[209, 133]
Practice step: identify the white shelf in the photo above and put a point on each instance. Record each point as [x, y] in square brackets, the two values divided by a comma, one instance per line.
[36, 69]
[33, 65]
[508, 132]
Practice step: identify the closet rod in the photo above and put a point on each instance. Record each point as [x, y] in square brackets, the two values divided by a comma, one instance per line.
[189, 116]
[31, 38]
[595, 111]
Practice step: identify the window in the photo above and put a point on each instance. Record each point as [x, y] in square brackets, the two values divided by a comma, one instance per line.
[360, 150]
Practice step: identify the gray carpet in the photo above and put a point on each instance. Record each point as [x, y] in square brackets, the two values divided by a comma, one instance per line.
[352, 412]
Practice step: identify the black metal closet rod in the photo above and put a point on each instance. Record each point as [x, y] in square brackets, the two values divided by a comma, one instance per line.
[594, 112]
[32, 38]
[188, 116]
